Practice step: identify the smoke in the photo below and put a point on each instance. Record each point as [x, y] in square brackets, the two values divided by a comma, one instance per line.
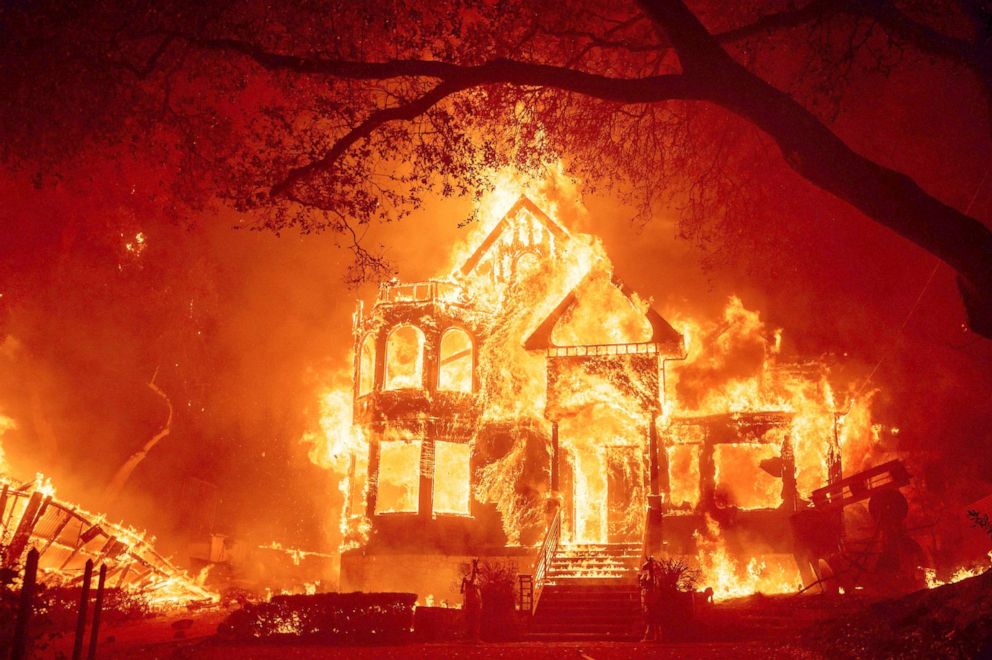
[6, 424]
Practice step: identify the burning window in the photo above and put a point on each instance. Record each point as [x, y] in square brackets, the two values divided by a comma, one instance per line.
[741, 479]
[399, 476]
[451, 477]
[683, 475]
[404, 358]
[366, 366]
[455, 371]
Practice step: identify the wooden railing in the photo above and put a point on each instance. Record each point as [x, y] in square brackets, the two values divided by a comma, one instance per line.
[649, 348]
[542, 563]
[426, 291]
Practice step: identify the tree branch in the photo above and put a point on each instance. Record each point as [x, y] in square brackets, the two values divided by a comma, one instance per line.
[895, 21]
[455, 78]
[120, 478]
[811, 149]
[709, 73]
[783, 20]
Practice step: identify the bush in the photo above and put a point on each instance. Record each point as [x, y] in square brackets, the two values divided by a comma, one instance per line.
[357, 618]
[675, 575]
[497, 581]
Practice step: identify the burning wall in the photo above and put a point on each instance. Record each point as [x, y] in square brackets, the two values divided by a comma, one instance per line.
[531, 375]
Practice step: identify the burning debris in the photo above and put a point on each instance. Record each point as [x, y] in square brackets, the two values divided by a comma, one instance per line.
[66, 537]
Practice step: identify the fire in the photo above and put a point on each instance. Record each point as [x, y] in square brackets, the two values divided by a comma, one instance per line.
[6, 424]
[961, 573]
[340, 447]
[518, 268]
[66, 535]
[729, 577]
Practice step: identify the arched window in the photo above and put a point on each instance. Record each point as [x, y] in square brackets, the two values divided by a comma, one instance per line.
[366, 365]
[404, 358]
[455, 365]
[527, 264]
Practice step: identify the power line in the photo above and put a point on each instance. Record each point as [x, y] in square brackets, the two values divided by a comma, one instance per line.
[919, 298]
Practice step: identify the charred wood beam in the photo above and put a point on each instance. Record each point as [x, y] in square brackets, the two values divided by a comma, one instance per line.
[65, 518]
[29, 518]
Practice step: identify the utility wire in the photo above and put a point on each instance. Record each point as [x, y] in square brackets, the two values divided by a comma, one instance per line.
[919, 298]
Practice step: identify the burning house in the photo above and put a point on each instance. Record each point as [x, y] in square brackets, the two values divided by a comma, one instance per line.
[529, 397]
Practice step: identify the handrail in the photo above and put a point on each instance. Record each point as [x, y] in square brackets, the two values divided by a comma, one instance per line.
[544, 556]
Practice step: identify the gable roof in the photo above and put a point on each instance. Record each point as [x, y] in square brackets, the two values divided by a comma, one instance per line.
[523, 202]
[669, 340]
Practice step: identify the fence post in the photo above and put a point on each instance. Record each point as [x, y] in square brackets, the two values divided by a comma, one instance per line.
[77, 647]
[97, 606]
[20, 642]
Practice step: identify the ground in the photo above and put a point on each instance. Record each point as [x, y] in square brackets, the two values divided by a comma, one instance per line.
[756, 627]
[952, 621]
[539, 650]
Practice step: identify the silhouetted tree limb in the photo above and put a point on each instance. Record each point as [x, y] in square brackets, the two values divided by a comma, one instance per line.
[124, 472]
[710, 73]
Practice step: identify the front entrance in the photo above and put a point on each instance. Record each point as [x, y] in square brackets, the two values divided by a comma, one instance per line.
[624, 494]
[603, 488]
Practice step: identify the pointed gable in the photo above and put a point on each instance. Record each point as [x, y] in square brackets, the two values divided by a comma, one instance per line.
[524, 229]
[663, 337]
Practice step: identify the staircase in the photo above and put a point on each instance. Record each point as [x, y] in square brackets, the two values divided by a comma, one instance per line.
[589, 592]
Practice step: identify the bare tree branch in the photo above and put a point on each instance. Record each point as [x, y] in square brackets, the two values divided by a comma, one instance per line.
[120, 478]
[709, 73]
[814, 151]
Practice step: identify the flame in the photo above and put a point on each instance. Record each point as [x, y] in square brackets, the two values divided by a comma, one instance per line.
[959, 574]
[340, 447]
[732, 577]
[6, 424]
[510, 273]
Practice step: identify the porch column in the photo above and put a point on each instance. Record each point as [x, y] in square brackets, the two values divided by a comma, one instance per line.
[555, 458]
[653, 524]
[653, 456]
[553, 503]
[425, 505]
[373, 491]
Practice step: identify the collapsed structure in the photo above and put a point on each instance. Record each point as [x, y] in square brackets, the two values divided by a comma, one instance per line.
[530, 390]
[67, 537]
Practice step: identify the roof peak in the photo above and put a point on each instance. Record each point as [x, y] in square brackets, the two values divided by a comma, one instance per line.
[523, 202]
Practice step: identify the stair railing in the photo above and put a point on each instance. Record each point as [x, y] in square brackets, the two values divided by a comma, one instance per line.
[542, 563]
